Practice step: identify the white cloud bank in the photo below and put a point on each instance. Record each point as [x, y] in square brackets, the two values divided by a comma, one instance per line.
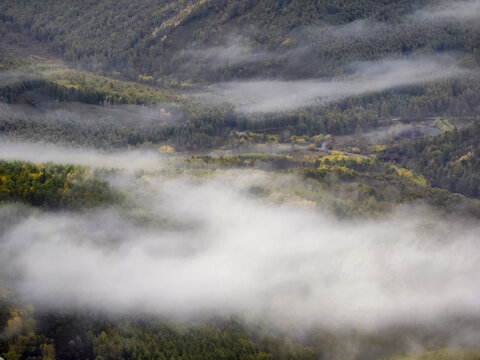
[236, 254]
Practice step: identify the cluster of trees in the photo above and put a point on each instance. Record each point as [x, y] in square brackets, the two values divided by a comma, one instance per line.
[450, 160]
[357, 163]
[359, 113]
[93, 89]
[261, 161]
[229, 341]
[105, 133]
[115, 128]
[368, 186]
[331, 49]
[347, 185]
[52, 185]
[26, 334]
[449, 97]
[69, 85]
[18, 338]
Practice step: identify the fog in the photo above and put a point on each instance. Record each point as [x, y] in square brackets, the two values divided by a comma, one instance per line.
[70, 123]
[237, 52]
[131, 161]
[8, 78]
[211, 247]
[89, 115]
[304, 45]
[371, 76]
[189, 243]
[450, 10]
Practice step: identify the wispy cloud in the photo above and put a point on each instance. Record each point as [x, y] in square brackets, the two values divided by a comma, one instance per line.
[450, 10]
[237, 51]
[278, 95]
[128, 160]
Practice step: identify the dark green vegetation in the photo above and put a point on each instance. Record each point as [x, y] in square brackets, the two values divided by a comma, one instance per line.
[53, 186]
[450, 160]
[31, 335]
[349, 186]
[21, 75]
[84, 125]
[153, 39]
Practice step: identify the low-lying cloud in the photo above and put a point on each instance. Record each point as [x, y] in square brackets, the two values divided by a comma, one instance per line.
[278, 95]
[88, 115]
[131, 161]
[302, 47]
[8, 78]
[231, 253]
[237, 52]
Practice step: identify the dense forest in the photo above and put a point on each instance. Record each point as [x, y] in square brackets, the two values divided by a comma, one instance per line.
[449, 160]
[188, 124]
[239, 180]
[48, 336]
[152, 39]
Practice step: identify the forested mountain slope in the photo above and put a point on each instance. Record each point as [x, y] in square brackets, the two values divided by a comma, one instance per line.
[218, 40]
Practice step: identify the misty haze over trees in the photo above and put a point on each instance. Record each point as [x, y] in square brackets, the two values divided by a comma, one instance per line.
[248, 179]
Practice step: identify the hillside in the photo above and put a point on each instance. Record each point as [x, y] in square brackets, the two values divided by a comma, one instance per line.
[167, 42]
[449, 160]
[239, 180]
